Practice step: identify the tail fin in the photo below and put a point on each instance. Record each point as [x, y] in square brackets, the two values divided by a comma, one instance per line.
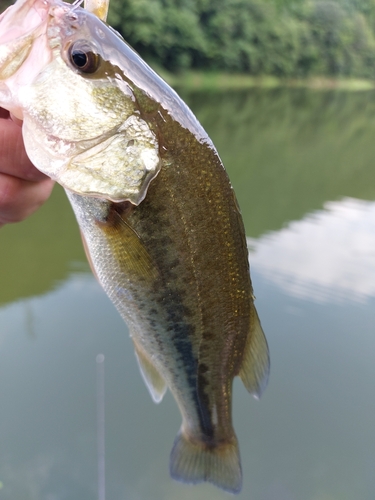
[194, 462]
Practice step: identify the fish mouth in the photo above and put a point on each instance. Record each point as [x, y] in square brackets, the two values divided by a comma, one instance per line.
[90, 146]
[22, 18]
[20, 25]
[29, 18]
[24, 48]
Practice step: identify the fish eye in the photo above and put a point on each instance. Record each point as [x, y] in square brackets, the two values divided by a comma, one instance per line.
[83, 57]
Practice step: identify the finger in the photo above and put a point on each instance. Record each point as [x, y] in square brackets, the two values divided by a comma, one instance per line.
[13, 159]
[20, 198]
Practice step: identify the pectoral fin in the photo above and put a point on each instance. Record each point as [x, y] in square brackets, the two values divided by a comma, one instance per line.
[154, 381]
[88, 256]
[256, 362]
[128, 248]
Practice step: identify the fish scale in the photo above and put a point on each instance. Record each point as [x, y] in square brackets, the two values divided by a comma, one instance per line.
[158, 216]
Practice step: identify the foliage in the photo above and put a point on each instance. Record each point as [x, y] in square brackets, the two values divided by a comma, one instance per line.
[286, 38]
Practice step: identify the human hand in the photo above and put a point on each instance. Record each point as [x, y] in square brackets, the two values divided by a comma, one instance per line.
[22, 187]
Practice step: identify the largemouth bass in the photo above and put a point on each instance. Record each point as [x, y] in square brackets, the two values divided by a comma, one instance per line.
[159, 219]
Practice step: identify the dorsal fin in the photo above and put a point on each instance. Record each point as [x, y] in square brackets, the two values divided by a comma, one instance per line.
[255, 366]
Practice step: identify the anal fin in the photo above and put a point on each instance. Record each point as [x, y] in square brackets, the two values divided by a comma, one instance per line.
[154, 381]
[255, 366]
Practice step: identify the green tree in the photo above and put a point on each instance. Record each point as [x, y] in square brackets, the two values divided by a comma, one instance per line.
[165, 31]
[276, 37]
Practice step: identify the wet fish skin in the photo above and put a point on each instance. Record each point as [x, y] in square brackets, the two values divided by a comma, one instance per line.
[190, 309]
[174, 262]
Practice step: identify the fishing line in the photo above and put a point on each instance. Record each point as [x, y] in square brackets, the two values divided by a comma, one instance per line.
[75, 4]
[100, 410]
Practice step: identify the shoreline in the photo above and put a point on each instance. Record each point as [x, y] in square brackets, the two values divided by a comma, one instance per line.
[195, 80]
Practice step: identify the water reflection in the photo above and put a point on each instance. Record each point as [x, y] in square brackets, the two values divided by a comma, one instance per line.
[312, 436]
[304, 440]
[327, 256]
[38, 253]
[48, 437]
[289, 151]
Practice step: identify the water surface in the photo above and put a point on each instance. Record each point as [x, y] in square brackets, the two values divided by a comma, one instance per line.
[302, 164]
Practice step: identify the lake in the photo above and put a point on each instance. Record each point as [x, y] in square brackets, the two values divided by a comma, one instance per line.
[302, 163]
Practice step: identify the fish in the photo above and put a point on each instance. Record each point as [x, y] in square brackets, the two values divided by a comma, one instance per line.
[158, 215]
